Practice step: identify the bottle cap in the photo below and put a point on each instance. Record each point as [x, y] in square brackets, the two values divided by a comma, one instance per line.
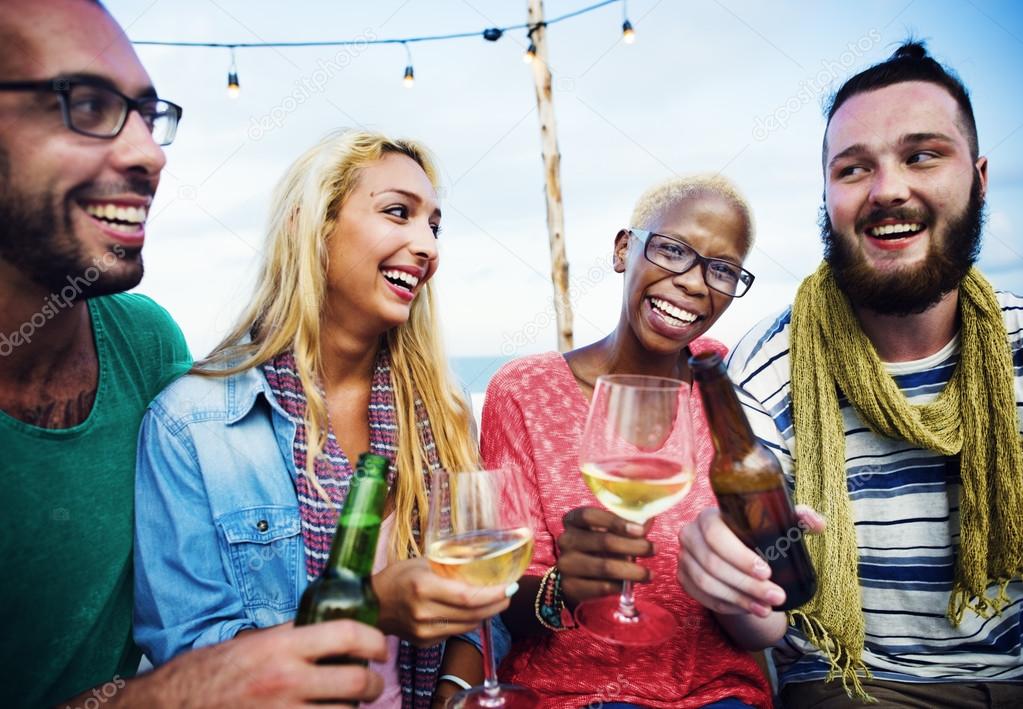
[703, 365]
[372, 464]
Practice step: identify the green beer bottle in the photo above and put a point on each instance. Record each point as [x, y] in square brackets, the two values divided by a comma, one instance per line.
[343, 589]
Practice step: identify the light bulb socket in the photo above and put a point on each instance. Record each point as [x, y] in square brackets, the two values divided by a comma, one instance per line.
[530, 53]
[233, 85]
[410, 77]
[628, 33]
[492, 34]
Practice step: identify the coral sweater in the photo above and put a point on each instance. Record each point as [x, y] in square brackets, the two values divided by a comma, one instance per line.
[533, 417]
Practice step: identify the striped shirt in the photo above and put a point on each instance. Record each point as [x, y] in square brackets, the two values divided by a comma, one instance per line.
[905, 504]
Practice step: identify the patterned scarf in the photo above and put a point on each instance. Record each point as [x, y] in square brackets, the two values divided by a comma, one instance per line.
[974, 418]
[417, 667]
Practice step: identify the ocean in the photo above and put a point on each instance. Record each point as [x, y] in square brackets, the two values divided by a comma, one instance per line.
[475, 372]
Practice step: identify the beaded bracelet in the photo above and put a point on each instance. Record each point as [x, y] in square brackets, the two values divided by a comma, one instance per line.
[550, 604]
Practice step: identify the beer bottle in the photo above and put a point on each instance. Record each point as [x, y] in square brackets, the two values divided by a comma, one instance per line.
[343, 589]
[750, 488]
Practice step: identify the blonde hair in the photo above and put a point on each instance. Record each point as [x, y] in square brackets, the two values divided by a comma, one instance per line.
[670, 192]
[286, 310]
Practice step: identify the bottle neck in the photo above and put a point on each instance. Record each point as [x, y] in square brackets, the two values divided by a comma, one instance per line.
[358, 529]
[729, 427]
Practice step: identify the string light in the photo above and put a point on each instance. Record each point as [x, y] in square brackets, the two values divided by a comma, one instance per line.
[233, 87]
[491, 34]
[410, 75]
[628, 34]
[530, 54]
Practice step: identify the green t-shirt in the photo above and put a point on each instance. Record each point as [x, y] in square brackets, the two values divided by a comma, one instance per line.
[67, 514]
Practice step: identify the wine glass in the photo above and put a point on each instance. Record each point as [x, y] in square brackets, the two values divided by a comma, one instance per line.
[636, 455]
[479, 532]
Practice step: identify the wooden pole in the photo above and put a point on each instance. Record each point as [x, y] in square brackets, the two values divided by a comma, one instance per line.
[552, 175]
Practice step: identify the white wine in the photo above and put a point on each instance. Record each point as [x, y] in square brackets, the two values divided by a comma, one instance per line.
[483, 558]
[637, 488]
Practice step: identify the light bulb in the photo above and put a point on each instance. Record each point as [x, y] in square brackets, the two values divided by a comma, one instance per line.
[628, 34]
[410, 77]
[530, 54]
[233, 87]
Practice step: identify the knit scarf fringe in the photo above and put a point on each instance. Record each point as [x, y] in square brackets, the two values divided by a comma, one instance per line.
[974, 417]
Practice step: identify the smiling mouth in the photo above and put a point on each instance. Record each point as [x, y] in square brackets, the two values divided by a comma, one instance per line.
[889, 232]
[127, 220]
[401, 279]
[674, 315]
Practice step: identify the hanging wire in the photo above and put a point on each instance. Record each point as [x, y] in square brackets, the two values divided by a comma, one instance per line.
[530, 54]
[628, 33]
[361, 42]
[491, 34]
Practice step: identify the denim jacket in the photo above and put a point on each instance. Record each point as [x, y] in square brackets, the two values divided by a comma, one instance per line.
[218, 542]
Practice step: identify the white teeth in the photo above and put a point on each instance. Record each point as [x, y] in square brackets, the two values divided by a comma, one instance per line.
[125, 228]
[403, 276]
[131, 215]
[890, 229]
[669, 309]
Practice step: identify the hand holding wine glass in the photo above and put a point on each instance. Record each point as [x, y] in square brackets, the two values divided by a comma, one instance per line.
[597, 551]
[636, 456]
[479, 532]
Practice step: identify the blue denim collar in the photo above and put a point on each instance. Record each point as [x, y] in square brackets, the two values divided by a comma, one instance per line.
[243, 389]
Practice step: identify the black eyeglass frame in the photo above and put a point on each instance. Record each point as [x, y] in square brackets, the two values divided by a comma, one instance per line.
[644, 236]
[62, 86]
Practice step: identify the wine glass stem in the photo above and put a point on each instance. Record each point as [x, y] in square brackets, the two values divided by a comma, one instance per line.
[489, 665]
[627, 601]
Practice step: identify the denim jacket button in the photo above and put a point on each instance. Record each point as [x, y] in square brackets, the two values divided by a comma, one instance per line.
[262, 525]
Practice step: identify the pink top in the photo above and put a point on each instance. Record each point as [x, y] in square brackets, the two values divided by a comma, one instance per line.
[391, 696]
[533, 417]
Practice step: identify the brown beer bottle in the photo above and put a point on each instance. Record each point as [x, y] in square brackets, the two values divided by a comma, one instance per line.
[750, 488]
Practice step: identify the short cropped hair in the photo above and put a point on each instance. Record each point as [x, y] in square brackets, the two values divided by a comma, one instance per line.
[664, 195]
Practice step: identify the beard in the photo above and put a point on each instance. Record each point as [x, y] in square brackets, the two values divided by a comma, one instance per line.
[37, 237]
[912, 289]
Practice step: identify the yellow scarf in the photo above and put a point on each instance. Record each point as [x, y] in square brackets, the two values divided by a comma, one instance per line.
[974, 417]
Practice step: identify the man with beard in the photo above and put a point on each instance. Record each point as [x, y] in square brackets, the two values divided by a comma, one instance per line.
[891, 391]
[81, 130]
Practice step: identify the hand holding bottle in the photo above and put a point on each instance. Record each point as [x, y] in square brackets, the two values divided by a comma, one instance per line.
[717, 569]
[424, 608]
[280, 666]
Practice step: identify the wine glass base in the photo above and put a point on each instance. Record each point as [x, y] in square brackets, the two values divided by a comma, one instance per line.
[600, 617]
[508, 696]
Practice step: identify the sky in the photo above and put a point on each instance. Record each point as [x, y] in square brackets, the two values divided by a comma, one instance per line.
[733, 87]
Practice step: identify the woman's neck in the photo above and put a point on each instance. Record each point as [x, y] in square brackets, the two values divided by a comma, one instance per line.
[620, 353]
[345, 356]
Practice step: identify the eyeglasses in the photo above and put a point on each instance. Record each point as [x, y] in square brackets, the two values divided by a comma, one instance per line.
[678, 257]
[90, 107]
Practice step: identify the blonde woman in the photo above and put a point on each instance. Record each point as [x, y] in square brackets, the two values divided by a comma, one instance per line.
[244, 463]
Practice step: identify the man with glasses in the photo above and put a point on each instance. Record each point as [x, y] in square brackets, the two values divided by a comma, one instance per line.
[81, 130]
[892, 393]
